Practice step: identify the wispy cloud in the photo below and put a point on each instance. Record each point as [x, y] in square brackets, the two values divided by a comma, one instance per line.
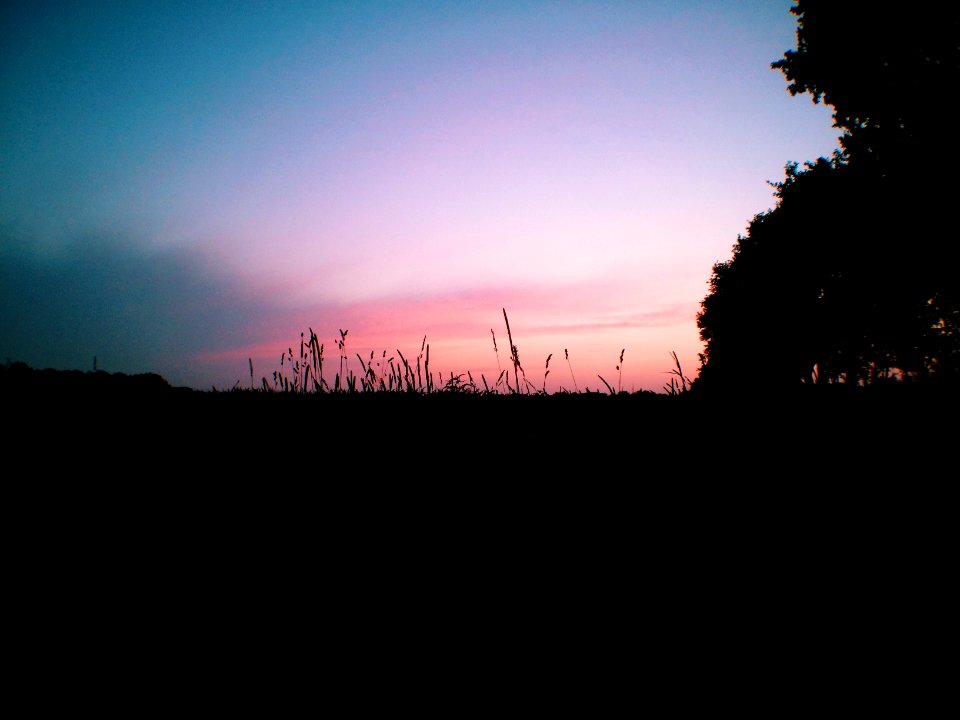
[654, 319]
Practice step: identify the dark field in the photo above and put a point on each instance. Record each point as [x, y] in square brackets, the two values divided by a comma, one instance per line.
[686, 519]
[818, 432]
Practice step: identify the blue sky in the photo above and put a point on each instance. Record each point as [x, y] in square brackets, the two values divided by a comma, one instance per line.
[399, 168]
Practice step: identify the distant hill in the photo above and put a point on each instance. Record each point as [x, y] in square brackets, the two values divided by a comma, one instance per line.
[20, 379]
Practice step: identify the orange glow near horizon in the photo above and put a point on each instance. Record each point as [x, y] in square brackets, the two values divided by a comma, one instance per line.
[458, 330]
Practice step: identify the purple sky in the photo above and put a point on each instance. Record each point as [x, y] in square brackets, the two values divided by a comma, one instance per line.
[186, 185]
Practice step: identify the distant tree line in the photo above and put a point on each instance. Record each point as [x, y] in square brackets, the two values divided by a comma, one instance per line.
[852, 277]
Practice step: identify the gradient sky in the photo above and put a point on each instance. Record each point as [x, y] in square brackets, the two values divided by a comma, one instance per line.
[184, 185]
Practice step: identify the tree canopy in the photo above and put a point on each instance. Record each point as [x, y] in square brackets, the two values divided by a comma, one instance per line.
[890, 73]
[851, 277]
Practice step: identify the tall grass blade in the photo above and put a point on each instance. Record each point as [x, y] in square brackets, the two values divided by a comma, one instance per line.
[607, 384]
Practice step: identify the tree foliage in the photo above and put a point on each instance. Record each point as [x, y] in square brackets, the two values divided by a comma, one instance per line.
[889, 72]
[852, 276]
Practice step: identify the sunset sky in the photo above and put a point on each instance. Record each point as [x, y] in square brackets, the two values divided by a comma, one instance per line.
[184, 185]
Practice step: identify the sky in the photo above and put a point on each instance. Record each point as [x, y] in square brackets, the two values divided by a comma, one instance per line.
[186, 185]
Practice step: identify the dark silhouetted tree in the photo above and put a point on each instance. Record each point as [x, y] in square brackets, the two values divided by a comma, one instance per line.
[852, 276]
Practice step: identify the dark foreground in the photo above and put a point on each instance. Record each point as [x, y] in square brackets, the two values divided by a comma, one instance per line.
[158, 523]
[115, 456]
[103, 421]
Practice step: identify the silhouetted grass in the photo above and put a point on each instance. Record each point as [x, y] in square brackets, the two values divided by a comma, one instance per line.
[675, 388]
[302, 373]
[381, 414]
[389, 403]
